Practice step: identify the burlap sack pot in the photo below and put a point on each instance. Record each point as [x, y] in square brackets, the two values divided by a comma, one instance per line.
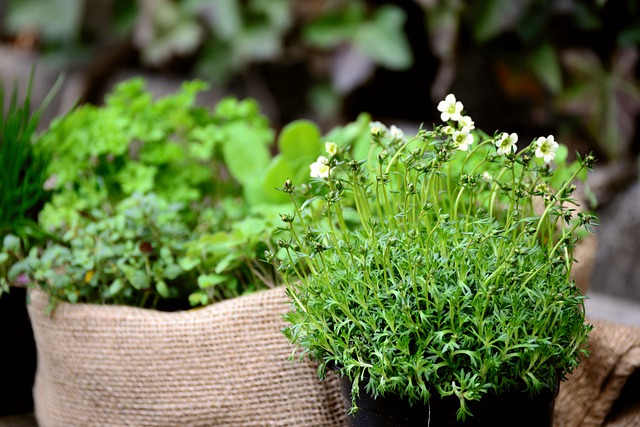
[222, 365]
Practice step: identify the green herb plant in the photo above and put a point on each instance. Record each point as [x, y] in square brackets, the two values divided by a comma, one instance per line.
[23, 164]
[437, 265]
[146, 254]
[23, 174]
[158, 203]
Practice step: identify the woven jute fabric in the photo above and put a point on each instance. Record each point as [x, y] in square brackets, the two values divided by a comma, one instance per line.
[222, 365]
[602, 391]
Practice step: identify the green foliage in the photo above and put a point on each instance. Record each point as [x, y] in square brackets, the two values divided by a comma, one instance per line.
[607, 99]
[143, 254]
[158, 200]
[438, 264]
[135, 144]
[23, 165]
[540, 51]
[57, 20]
[379, 37]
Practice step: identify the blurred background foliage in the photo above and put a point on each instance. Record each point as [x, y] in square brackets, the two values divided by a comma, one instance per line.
[568, 67]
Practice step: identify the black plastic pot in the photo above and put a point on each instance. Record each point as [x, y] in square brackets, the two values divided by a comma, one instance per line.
[509, 409]
[17, 354]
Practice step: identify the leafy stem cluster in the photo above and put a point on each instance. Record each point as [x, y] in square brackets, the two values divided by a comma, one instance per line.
[438, 264]
[153, 201]
[145, 254]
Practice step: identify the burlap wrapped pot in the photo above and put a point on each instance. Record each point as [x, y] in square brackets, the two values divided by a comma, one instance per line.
[222, 365]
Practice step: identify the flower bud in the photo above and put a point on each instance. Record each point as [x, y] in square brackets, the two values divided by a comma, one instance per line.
[286, 218]
[288, 186]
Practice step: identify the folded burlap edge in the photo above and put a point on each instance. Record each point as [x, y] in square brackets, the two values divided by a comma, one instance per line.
[588, 395]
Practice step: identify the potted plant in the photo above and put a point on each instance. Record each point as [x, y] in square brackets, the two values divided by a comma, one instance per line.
[158, 206]
[23, 166]
[433, 273]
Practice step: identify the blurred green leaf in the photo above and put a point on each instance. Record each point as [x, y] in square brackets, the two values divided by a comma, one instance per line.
[606, 100]
[188, 263]
[299, 139]
[257, 43]
[209, 280]
[333, 29]
[163, 289]
[198, 298]
[223, 17]
[278, 171]
[489, 18]
[55, 20]
[245, 151]
[629, 36]
[384, 39]
[115, 287]
[544, 63]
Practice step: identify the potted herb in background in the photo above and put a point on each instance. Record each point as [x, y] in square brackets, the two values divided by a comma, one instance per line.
[23, 169]
[159, 206]
[434, 274]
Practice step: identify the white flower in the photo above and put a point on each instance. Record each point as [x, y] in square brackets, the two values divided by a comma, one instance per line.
[467, 122]
[487, 176]
[377, 129]
[546, 148]
[320, 168]
[507, 143]
[331, 148]
[396, 133]
[450, 109]
[463, 139]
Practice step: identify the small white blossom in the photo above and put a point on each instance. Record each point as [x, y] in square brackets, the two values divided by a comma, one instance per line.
[487, 176]
[320, 168]
[467, 122]
[450, 109]
[396, 133]
[507, 143]
[331, 148]
[546, 148]
[463, 139]
[377, 129]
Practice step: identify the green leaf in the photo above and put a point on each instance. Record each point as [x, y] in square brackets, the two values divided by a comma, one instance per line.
[54, 20]
[198, 298]
[225, 19]
[115, 287]
[276, 174]
[258, 43]
[137, 278]
[11, 243]
[561, 154]
[384, 39]
[188, 263]
[331, 30]
[299, 139]
[245, 152]
[172, 271]
[544, 63]
[493, 17]
[163, 289]
[629, 36]
[209, 280]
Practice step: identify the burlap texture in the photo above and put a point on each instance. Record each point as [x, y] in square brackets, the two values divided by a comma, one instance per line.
[588, 398]
[227, 365]
[222, 365]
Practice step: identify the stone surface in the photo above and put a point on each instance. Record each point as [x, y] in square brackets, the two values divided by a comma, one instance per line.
[617, 268]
